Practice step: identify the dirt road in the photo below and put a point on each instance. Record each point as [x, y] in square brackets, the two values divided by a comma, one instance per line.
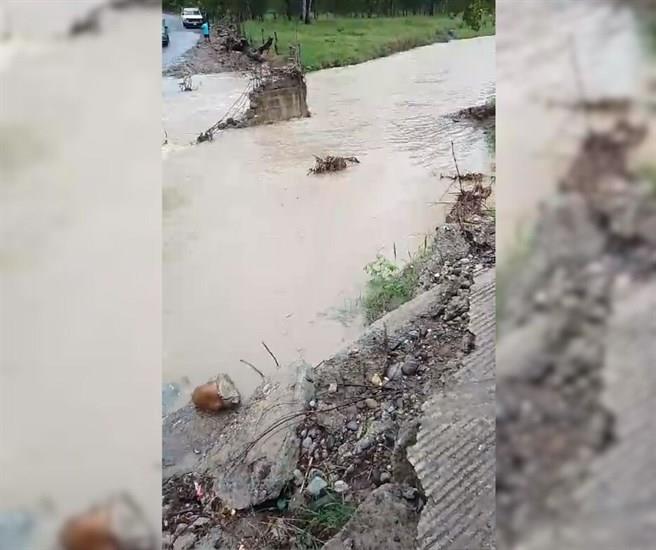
[181, 40]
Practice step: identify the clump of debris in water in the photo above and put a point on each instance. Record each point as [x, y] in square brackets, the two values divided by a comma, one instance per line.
[331, 164]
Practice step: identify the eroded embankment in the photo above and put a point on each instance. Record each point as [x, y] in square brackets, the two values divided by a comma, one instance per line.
[319, 455]
[559, 425]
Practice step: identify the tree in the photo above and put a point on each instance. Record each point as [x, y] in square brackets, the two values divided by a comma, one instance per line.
[306, 11]
[473, 14]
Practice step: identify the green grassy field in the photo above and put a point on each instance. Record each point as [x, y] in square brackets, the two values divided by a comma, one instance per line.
[335, 42]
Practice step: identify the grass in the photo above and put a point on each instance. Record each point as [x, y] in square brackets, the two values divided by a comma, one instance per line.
[328, 518]
[390, 285]
[340, 41]
[314, 526]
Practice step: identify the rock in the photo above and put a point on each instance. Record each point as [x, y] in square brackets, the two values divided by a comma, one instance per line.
[185, 542]
[409, 493]
[298, 477]
[228, 391]
[371, 403]
[307, 442]
[353, 426]
[331, 420]
[384, 521]
[316, 487]
[261, 474]
[340, 486]
[200, 522]
[118, 517]
[332, 388]
[363, 444]
[394, 371]
[385, 477]
[410, 367]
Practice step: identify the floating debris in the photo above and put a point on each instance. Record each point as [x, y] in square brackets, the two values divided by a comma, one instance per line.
[186, 84]
[478, 113]
[331, 164]
[470, 202]
[473, 177]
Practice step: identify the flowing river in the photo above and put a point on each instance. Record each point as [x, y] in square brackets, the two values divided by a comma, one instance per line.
[256, 250]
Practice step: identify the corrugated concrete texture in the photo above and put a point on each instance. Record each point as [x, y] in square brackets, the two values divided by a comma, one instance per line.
[615, 507]
[455, 452]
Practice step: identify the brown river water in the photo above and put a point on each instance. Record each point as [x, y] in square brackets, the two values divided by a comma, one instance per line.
[256, 250]
[539, 47]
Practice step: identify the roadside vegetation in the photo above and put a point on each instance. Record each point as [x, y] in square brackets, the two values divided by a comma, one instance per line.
[339, 41]
[390, 285]
[335, 33]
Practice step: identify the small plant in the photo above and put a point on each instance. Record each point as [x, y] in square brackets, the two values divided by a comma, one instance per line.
[388, 287]
[327, 519]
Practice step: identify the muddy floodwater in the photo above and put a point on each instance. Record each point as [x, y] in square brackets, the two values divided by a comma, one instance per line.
[552, 51]
[80, 338]
[257, 250]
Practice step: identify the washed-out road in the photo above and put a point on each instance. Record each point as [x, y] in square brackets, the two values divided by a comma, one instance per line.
[181, 40]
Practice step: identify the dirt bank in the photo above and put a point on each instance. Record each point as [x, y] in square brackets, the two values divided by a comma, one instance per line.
[562, 425]
[216, 56]
[312, 461]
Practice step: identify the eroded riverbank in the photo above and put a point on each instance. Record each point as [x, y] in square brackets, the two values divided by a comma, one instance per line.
[249, 238]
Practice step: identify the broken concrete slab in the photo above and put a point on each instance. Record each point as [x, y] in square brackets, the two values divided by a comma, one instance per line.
[454, 456]
[384, 521]
[257, 456]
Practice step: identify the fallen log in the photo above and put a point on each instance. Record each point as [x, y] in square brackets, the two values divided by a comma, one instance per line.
[266, 46]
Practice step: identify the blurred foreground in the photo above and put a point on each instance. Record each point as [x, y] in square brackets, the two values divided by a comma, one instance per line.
[576, 392]
[80, 196]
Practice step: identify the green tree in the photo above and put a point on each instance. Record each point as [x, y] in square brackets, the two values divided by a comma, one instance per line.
[474, 14]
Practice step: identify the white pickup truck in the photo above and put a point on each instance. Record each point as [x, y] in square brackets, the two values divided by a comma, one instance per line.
[191, 18]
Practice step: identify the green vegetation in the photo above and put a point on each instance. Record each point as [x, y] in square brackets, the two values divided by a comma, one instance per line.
[312, 526]
[389, 285]
[339, 41]
[324, 521]
[334, 33]
[309, 10]
[648, 172]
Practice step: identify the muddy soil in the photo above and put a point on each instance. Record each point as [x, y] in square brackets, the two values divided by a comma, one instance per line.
[212, 57]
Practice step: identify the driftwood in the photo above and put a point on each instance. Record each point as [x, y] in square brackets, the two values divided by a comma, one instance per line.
[475, 177]
[470, 202]
[331, 164]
